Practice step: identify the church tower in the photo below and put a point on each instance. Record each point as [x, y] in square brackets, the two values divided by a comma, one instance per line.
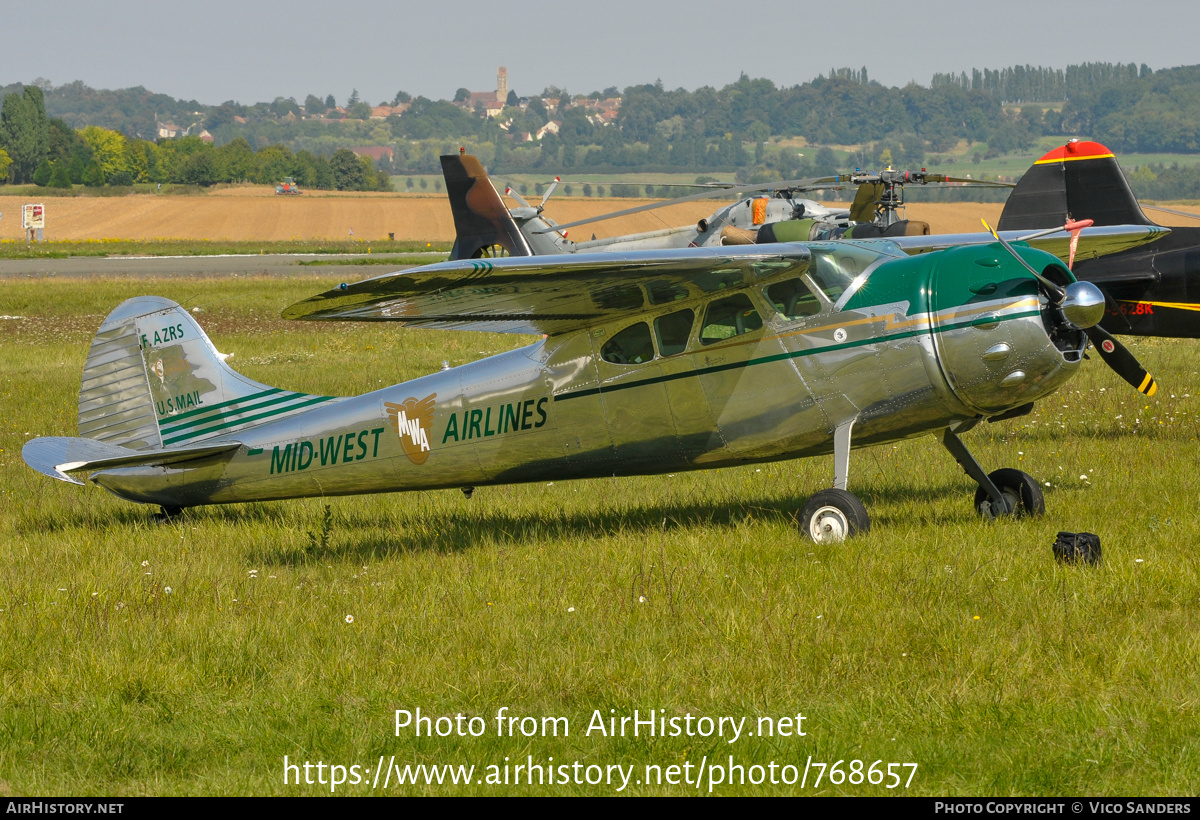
[502, 85]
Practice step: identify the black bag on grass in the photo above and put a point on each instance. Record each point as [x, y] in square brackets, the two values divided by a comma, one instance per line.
[1077, 547]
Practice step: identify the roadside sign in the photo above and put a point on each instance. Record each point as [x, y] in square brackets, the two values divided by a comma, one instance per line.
[33, 216]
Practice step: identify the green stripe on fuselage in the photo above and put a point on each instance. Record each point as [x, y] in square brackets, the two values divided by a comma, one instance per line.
[225, 426]
[244, 406]
[212, 407]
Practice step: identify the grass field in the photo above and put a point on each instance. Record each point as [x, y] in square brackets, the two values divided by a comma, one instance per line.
[190, 658]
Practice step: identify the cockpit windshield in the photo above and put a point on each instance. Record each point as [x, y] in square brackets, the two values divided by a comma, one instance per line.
[835, 265]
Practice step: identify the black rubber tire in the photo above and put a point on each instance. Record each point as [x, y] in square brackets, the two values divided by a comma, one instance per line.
[167, 514]
[1020, 488]
[832, 516]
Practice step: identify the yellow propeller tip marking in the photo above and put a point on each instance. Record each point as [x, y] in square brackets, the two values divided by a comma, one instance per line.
[1148, 385]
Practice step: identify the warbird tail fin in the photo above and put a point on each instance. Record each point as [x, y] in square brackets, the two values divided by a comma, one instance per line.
[1079, 180]
[481, 221]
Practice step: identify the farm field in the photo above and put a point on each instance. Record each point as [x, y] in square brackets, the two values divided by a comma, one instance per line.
[250, 214]
[191, 658]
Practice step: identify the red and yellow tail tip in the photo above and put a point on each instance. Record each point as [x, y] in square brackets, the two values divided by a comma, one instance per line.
[1075, 150]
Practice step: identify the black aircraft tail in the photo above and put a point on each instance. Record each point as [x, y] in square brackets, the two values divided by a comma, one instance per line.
[1079, 180]
[484, 227]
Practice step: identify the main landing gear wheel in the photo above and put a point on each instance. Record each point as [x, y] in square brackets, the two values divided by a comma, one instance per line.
[167, 515]
[1021, 494]
[832, 516]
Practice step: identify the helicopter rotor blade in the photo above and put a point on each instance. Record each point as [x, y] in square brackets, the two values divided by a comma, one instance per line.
[795, 184]
[798, 185]
[985, 183]
[549, 191]
[508, 191]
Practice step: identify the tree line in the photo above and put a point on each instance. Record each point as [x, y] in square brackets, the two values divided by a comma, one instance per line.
[731, 129]
[46, 151]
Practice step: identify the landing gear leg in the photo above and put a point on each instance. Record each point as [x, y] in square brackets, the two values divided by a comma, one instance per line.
[1001, 493]
[834, 515]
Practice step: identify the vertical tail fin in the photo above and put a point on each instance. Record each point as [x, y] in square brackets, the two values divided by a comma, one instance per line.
[1079, 180]
[480, 219]
[154, 379]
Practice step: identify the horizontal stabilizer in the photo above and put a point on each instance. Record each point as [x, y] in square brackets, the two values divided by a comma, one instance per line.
[61, 456]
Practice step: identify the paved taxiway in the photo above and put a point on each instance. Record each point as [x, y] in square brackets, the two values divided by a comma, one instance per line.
[288, 264]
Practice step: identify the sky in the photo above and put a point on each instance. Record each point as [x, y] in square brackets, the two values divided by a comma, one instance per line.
[252, 51]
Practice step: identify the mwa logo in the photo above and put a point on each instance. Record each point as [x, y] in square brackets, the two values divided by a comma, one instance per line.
[412, 421]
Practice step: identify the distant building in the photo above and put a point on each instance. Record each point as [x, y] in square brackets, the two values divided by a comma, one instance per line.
[168, 130]
[382, 112]
[490, 103]
[205, 136]
[485, 99]
[549, 128]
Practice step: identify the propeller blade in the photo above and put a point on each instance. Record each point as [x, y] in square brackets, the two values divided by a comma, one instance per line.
[813, 184]
[508, 191]
[1058, 293]
[1114, 354]
[1118, 357]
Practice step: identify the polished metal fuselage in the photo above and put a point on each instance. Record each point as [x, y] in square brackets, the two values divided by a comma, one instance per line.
[896, 366]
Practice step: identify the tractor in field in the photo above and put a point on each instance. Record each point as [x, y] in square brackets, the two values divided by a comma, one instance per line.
[288, 187]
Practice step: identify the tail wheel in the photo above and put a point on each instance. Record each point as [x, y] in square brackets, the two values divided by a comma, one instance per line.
[1021, 492]
[832, 516]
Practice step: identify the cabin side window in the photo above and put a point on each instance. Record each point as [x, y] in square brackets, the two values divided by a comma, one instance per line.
[792, 299]
[673, 331]
[729, 317]
[631, 346]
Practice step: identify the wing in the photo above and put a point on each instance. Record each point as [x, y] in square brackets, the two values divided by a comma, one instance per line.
[1093, 242]
[549, 294]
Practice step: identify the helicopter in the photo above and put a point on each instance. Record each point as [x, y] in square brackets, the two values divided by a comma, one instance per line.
[774, 212]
